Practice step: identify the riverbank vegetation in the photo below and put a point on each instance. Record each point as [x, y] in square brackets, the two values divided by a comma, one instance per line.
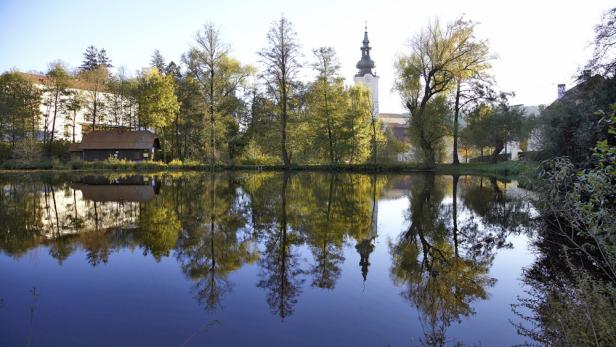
[572, 285]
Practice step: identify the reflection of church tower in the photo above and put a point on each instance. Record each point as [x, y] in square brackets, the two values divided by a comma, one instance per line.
[366, 246]
[365, 75]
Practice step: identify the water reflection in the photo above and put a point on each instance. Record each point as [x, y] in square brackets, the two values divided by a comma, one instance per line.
[295, 229]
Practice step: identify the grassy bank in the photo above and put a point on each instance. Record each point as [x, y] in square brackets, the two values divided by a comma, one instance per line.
[506, 170]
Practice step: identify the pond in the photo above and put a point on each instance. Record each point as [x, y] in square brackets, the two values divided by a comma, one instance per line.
[261, 259]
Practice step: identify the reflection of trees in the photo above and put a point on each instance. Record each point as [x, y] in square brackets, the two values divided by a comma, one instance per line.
[21, 216]
[211, 246]
[280, 268]
[158, 228]
[437, 278]
[320, 210]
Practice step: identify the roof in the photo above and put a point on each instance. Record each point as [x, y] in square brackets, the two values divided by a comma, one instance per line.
[581, 91]
[75, 83]
[394, 119]
[117, 139]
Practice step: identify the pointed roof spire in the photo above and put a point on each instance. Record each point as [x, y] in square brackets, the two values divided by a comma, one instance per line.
[365, 64]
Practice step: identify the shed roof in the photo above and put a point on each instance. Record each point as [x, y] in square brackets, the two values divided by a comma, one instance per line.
[117, 139]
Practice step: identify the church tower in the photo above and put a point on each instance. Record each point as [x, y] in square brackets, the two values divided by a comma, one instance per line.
[365, 74]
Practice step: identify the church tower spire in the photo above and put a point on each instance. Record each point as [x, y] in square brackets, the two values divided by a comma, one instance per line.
[365, 64]
[365, 72]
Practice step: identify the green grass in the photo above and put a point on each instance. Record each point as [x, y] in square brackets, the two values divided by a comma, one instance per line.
[508, 170]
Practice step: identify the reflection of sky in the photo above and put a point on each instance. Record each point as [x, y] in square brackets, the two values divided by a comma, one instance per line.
[134, 300]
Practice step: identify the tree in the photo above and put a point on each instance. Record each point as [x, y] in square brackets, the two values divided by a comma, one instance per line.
[157, 102]
[57, 89]
[95, 82]
[19, 108]
[90, 59]
[496, 125]
[158, 62]
[431, 130]
[281, 61]
[220, 78]
[430, 69]
[604, 59]
[75, 103]
[469, 77]
[357, 122]
[103, 59]
[327, 92]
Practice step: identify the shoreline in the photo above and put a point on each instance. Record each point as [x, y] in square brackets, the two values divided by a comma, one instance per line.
[507, 170]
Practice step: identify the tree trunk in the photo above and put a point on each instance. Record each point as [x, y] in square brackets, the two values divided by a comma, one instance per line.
[212, 131]
[283, 142]
[497, 149]
[53, 123]
[455, 214]
[456, 125]
[329, 126]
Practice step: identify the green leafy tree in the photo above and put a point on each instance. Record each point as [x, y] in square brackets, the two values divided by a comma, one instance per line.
[19, 108]
[471, 80]
[326, 95]
[431, 130]
[220, 78]
[357, 123]
[157, 101]
[496, 125]
[437, 56]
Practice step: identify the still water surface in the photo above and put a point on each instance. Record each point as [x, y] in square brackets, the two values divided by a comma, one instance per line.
[244, 259]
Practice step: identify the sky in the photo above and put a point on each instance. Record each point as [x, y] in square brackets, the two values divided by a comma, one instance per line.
[538, 43]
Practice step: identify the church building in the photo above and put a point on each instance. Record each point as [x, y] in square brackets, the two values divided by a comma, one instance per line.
[365, 74]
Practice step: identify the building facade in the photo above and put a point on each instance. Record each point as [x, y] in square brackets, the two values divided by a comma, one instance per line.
[74, 115]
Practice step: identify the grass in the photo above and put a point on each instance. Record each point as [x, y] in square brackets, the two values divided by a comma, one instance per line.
[507, 170]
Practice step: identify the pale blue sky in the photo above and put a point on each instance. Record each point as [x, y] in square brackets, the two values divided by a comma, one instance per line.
[539, 43]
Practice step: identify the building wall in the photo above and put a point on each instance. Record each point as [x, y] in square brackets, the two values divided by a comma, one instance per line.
[64, 123]
[126, 154]
[372, 82]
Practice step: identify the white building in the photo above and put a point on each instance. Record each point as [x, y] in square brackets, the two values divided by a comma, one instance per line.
[113, 110]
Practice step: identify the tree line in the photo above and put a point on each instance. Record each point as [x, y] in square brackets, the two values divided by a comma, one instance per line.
[209, 106]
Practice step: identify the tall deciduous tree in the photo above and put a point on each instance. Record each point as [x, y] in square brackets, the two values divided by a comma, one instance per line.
[281, 61]
[326, 94]
[57, 101]
[157, 101]
[19, 108]
[220, 78]
[470, 76]
[430, 69]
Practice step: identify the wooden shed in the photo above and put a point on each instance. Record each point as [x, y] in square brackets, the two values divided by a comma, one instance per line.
[116, 143]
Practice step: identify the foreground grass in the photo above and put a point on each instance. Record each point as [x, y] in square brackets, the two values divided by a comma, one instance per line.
[506, 170]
